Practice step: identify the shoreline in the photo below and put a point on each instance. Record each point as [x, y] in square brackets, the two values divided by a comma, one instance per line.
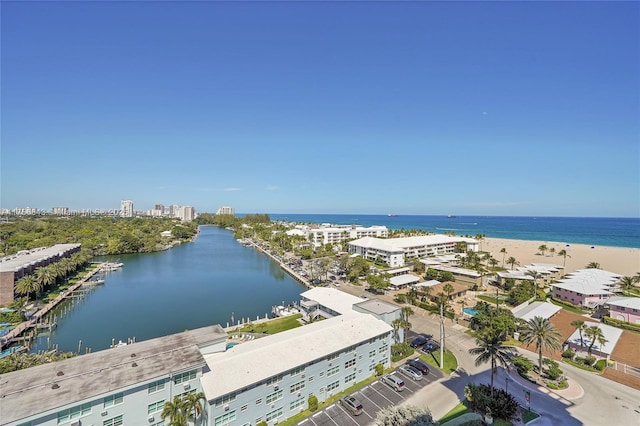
[620, 260]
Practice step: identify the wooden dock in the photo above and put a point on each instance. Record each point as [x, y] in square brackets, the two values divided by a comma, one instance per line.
[35, 322]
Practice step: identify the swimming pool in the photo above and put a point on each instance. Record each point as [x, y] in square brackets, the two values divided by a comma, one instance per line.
[470, 311]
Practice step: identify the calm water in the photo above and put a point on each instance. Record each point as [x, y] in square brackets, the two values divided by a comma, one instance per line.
[616, 232]
[190, 286]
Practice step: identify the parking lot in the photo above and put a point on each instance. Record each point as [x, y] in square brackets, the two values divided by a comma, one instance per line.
[374, 397]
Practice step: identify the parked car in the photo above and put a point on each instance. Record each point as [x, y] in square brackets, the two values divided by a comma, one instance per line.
[395, 382]
[332, 277]
[352, 404]
[418, 341]
[430, 346]
[410, 372]
[419, 365]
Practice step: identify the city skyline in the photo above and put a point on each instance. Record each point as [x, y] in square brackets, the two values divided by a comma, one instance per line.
[426, 108]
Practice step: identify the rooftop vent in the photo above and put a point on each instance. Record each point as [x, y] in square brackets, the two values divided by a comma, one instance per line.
[55, 386]
[134, 364]
[133, 355]
[60, 373]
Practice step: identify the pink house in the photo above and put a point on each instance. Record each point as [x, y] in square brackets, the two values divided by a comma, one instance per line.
[586, 287]
[625, 309]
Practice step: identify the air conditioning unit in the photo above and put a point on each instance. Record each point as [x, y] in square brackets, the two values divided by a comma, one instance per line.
[276, 387]
[299, 393]
[226, 407]
[151, 419]
[187, 386]
[104, 413]
[76, 423]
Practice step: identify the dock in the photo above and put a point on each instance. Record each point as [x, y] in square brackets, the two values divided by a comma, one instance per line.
[34, 323]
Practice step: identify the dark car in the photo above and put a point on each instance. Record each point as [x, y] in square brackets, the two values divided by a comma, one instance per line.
[419, 365]
[430, 346]
[418, 341]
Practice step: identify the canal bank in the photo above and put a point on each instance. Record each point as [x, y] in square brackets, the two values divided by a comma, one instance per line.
[192, 285]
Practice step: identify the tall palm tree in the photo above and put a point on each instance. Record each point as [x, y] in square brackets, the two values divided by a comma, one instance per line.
[45, 276]
[491, 348]
[193, 403]
[540, 331]
[552, 251]
[595, 334]
[504, 252]
[543, 249]
[397, 324]
[593, 265]
[580, 326]
[564, 255]
[534, 276]
[175, 411]
[448, 288]
[406, 312]
[27, 285]
[512, 261]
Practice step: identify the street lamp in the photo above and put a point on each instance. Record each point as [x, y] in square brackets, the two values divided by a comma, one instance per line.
[506, 384]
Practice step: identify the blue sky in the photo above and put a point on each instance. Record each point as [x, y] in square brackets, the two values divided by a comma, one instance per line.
[485, 108]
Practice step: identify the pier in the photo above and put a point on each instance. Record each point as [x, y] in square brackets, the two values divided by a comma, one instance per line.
[26, 330]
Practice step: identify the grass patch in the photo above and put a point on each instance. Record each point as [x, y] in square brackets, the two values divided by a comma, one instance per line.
[450, 361]
[528, 415]
[567, 306]
[581, 365]
[492, 300]
[271, 327]
[456, 411]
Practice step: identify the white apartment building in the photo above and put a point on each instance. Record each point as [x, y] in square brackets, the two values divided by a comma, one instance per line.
[60, 211]
[269, 378]
[334, 234]
[394, 251]
[126, 208]
[226, 210]
[187, 213]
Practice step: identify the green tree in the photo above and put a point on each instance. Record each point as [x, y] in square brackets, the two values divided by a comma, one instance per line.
[448, 288]
[626, 284]
[504, 252]
[491, 348]
[535, 275]
[543, 249]
[27, 285]
[581, 327]
[593, 265]
[404, 415]
[405, 314]
[175, 411]
[543, 334]
[193, 404]
[512, 261]
[564, 255]
[594, 334]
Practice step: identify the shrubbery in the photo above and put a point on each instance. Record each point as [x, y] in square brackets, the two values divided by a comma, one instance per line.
[379, 369]
[313, 402]
[522, 364]
[502, 405]
[568, 354]
[400, 351]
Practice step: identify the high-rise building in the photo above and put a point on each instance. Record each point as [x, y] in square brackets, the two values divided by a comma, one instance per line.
[187, 213]
[226, 210]
[126, 208]
[60, 211]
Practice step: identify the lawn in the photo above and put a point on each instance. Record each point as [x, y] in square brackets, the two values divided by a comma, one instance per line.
[456, 411]
[450, 361]
[566, 306]
[273, 326]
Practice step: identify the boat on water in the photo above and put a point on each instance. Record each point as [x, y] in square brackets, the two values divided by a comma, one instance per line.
[285, 311]
[450, 216]
[93, 282]
[392, 215]
[111, 266]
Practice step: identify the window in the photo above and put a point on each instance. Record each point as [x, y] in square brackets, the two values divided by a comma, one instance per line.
[274, 414]
[296, 387]
[244, 408]
[225, 399]
[332, 357]
[156, 386]
[74, 413]
[225, 418]
[112, 400]
[372, 353]
[297, 403]
[274, 397]
[350, 378]
[185, 377]
[350, 363]
[274, 379]
[333, 385]
[258, 401]
[383, 348]
[297, 371]
[310, 378]
[155, 407]
[333, 370]
[372, 367]
[115, 421]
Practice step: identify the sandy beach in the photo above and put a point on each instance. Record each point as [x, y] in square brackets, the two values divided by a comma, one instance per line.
[624, 261]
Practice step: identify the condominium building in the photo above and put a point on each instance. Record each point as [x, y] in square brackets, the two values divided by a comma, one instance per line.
[60, 211]
[126, 208]
[226, 210]
[587, 287]
[186, 213]
[269, 378]
[25, 262]
[394, 251]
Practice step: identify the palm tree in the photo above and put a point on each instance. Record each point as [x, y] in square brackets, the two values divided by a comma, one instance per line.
[397, 324]
[534, 275]
[45, 276]
[580, 326]
[593, 265]
[175, 411]
[564, 255]
[595, 334]
[552, 251]
[512, 261]
[491, 348]
[406, 312]
[27, 285]
[448, 288]
[626, 284]
[540, 331]
[493, 262]
[543, 249]
[504, 252]
[193, 403]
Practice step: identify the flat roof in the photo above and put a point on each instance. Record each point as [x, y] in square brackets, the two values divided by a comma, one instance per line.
[396, 244]
[27, 257]
[377, 306]
[332, 298]
[24, 393]
[403, 280]
[256, 360]
[624, 302]
[536, 309]
[612, 335]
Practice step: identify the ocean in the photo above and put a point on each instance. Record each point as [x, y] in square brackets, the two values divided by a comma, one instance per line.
[614, 232]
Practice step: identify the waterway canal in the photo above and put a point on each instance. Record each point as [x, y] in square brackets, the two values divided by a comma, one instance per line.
[189, 286]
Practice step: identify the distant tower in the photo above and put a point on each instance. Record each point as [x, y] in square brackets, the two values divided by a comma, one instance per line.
[187, 213]
[226, 210]
[126, 208]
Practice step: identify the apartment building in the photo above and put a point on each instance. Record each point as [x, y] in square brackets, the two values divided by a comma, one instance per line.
[226, 210]
[335, 234]
[586, 287]
[126, 208]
